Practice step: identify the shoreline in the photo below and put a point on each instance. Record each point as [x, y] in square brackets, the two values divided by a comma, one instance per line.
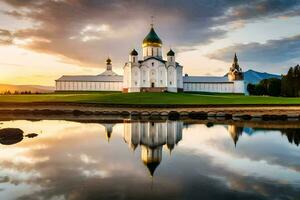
[198, 111]
[253, 123]
[119, 105]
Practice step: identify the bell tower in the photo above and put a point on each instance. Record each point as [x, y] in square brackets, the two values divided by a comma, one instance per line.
[235, 72]
[108, 64]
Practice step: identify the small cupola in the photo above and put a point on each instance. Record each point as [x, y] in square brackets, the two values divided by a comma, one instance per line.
[171, 53]
[171, 56]
[108, 64]
[134, 53]
[133, 56]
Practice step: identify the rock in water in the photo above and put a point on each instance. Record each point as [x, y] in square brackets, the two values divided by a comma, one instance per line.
[31, 135]
[10, 136]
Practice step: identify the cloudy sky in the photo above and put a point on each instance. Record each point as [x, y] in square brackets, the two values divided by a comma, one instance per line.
[40, 40]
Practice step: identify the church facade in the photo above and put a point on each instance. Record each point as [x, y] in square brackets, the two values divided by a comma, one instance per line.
[153, 73]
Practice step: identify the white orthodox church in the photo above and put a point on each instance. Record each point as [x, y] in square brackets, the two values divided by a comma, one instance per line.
[154, 74]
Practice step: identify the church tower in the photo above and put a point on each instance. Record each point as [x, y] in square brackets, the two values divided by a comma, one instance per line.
[108, 64]
[235, 72]
[171, 56]
[152, 45]
[236, 75]
[133, 57]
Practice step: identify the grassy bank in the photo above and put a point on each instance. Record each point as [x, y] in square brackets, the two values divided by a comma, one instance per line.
[148, 98]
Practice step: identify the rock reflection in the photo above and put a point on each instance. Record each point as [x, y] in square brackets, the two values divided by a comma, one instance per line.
[10, 136]
[152, 136]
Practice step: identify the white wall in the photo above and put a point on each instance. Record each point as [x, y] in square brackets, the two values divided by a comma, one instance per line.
[239, 86]
[88, 86]
[209, 87]
[179, 77]
[172, 79]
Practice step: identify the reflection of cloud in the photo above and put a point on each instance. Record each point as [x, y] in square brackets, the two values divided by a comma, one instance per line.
[81, 164]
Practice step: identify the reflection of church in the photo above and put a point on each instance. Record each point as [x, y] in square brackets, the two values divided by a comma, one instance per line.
[152, 136]
[292, 134]
[108, 130]
[235, 132]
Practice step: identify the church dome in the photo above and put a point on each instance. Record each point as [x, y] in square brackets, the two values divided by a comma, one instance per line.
[152, 39]
[134, 52]
[171, 53]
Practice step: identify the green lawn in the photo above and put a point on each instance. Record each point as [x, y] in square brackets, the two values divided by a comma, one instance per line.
[149, 98]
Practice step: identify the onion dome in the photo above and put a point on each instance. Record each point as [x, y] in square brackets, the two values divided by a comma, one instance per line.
[108, 61]
[171, 53]
[134, 52]
[152, 39]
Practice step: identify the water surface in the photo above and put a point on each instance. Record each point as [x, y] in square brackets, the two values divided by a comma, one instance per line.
[149, 160]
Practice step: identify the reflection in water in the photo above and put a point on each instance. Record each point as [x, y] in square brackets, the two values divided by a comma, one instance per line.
[293, 135]
[108, 130]
[9, 136]
[71, 160]
[235, 132]
[152, 136]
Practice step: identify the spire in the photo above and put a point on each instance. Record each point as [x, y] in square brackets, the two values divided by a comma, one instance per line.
[152, 21]
[235, 58]
[235, 64]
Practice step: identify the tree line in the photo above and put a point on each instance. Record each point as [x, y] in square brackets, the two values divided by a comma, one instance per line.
[8, 92]
[287, 86]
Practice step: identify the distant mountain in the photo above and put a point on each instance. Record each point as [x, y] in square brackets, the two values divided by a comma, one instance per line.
[22, 88]
[254, 77]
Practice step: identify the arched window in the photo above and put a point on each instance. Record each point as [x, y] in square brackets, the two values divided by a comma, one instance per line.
[152, 53]
[133, 59]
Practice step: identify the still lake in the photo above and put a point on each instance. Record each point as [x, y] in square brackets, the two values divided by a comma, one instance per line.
[150, 160]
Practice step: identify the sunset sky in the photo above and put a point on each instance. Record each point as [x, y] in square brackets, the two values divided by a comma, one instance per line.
[40, 40]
